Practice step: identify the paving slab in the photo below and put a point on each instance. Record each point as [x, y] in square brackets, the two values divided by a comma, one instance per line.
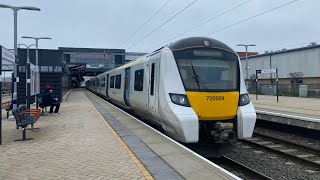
[294, 111]
[299, 106]
[77, 144]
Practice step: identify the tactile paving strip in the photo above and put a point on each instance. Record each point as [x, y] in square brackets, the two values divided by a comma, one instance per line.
[158, 168]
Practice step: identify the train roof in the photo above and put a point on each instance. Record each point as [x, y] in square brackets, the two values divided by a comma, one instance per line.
[199, 42]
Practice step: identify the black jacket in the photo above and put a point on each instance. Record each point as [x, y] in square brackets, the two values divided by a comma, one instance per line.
[47, 98]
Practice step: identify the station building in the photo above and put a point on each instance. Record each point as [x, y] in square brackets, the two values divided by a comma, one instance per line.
[66, 67]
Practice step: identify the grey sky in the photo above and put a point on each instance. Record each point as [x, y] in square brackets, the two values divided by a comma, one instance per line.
[107, 24]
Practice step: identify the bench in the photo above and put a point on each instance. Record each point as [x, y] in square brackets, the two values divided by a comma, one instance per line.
[23, 120]
[33, 112]
[43, 107]
[7, 106]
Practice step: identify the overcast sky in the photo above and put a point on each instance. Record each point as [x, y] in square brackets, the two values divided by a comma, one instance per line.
[108, 24]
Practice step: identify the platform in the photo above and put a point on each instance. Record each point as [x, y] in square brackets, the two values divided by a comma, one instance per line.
[80, 144]
[296, 111]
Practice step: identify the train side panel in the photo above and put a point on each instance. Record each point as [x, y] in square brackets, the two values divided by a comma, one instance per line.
[179, 122]
[246, 115]
[116, 93]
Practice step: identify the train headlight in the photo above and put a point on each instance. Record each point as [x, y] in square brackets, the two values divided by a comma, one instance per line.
[179, 99]
[244, 99]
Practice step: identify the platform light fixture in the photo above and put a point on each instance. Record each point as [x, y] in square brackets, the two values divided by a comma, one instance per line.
[246, 68]
[27, 74]
[37, 59]
[15, 10]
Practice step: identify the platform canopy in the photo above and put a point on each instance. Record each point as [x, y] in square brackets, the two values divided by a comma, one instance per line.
[76, 67]
[8, 59]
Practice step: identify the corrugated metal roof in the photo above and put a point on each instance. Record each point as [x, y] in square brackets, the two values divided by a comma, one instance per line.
[285, 51]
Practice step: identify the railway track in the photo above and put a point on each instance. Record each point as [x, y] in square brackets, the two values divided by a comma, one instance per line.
[239, 169]
[299, 153]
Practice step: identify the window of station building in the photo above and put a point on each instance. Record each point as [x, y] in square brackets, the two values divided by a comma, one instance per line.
[50, 68]
[112, 82]
[118, 81]
[138, 80]
[152, 79]
[57, 69]
[44, 68]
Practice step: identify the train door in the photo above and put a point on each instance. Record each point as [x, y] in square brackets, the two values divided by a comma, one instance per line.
[153, 95]
[107, 86]
[127, 87]
[96, 85]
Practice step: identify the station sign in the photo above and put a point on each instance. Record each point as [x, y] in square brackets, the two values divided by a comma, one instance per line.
[266, 71]
[8, 55]
[34, 80]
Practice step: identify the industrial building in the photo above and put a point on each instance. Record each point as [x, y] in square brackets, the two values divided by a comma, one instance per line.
[295, 66]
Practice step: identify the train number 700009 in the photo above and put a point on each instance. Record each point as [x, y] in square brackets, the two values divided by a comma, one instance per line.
[215, 98]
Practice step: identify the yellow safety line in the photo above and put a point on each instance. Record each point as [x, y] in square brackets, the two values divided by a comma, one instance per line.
[141, 167]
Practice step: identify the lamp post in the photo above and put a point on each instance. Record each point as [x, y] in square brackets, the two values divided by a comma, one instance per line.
[37, 61]
[246, 68]
[15, 71]
[27, 75]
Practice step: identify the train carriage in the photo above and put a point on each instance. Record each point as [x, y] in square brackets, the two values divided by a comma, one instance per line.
[193, 88]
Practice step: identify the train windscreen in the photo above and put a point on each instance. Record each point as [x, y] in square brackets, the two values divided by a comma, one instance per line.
[208, 70]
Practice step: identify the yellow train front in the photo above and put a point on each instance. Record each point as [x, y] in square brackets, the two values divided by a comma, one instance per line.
[210, 87]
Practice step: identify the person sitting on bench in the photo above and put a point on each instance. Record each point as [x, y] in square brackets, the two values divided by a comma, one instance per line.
[48, 100]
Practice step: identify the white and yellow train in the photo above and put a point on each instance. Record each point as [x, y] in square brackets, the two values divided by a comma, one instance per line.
[193, 88]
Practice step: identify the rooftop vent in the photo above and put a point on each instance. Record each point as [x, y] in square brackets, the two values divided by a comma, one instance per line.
[266, 52]
[284, 49]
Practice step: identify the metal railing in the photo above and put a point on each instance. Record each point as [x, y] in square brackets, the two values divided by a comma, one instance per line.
[291, 90]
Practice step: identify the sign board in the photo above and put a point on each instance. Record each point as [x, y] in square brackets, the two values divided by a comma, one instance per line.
[8, 55]
[266, 71]
[34, 80]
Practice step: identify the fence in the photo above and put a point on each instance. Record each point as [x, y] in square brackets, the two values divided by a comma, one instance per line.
[291, 90]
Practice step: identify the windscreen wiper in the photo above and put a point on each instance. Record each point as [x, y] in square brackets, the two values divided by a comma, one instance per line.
[198, 79]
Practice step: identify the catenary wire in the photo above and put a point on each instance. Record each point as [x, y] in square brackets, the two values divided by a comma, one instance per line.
[145, 23]
[205, 22]
[244, 20]
[175, 15]
[252, 17]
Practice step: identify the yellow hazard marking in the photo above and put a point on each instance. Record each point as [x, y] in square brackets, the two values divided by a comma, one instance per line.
[141, 167]
[214, 105]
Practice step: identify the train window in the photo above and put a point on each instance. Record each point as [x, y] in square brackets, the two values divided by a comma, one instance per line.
[152, 79]
[112, 82]
[138, 80]
[118, 81]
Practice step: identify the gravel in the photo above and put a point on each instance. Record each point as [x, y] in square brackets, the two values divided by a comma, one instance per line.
[271, 164]
[289, 137]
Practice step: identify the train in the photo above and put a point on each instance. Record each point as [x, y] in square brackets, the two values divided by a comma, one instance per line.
[193, 89]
